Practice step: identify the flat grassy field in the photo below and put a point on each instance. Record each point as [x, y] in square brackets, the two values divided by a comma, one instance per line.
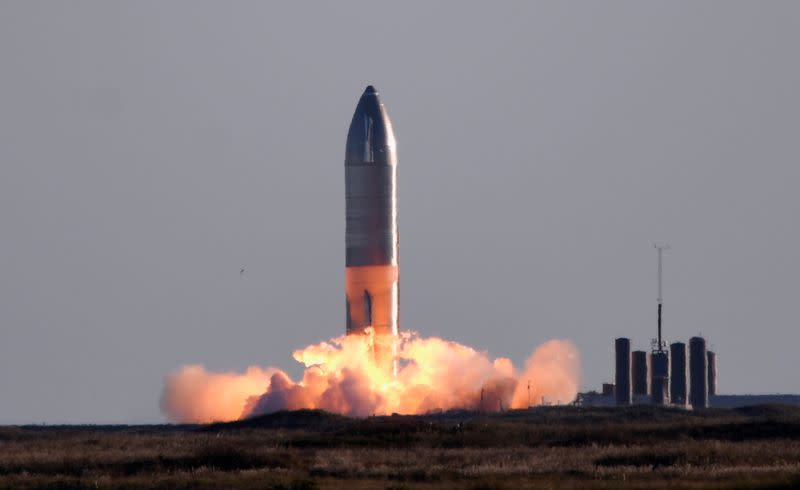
[546, 447]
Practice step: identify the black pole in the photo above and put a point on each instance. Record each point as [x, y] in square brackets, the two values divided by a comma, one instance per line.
[659, 327]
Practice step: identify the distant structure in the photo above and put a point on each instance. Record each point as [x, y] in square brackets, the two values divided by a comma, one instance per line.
[712, 374]
[668, 375]
[659, 381]
[698, 369]
[660, 343]
[595, 399]
[640, 371]
[736, 401]
[659, 360]
[622, 378]
[678, 373]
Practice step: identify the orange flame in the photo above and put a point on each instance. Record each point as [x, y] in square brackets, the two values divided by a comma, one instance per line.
[341, 376]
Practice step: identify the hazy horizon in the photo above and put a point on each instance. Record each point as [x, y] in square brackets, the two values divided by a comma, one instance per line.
[150, 150]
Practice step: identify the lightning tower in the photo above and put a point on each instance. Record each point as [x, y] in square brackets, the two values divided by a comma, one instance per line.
[660, 356]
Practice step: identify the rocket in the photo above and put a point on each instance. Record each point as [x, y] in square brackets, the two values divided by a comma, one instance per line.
[371, 237]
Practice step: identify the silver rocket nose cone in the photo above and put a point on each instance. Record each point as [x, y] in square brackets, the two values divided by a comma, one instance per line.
[371, 137]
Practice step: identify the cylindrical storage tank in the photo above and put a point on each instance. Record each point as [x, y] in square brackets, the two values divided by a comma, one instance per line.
[712, 374]
[622, 377]
[659, 380]
[678, 373]
[698, 370]
[641, 379]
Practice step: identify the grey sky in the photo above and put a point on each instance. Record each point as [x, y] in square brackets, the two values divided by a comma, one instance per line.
[148, 150]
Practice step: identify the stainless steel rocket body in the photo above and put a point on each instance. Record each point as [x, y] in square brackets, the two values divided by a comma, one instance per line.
[371, 237]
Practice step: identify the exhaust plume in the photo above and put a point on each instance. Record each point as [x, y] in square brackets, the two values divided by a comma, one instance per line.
[194, 395]
[341, 376]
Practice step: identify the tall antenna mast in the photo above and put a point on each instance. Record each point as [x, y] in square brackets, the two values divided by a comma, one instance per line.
[660, 249]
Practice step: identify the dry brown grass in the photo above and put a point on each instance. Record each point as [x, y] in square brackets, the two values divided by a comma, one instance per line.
[540, 449]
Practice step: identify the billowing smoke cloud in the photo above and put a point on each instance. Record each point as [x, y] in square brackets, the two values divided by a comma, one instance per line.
[553, 371]
[195, 395]
[342, 376]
